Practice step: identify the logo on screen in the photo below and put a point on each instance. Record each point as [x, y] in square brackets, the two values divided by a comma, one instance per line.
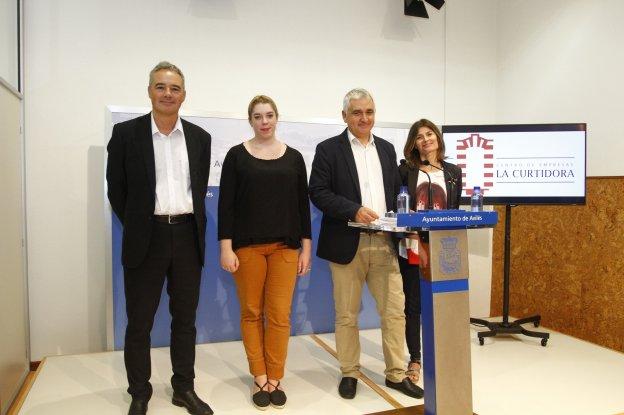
[477, 152]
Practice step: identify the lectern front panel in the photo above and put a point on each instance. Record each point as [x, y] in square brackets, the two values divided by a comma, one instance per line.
[445, 325]
[449, 255]
[453, 380]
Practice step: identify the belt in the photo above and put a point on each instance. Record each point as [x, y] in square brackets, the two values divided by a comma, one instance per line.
[173, 219]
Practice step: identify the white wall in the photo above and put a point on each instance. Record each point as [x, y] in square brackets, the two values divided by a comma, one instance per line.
[562, 61]
[470, 98]
[471, 48]
[82, 55]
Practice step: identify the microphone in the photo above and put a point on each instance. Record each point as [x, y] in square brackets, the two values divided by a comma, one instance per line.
[428, 163]
[430, 190]
[452, 181]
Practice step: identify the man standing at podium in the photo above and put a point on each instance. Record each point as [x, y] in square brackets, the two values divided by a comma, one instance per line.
[157, 174]
[355, 178]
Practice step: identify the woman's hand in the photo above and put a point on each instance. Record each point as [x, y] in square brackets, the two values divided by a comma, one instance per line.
[423, 254]
[229, 260]
[305, 257]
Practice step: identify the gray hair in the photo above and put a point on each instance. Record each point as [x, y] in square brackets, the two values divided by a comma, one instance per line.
[356, 93]
[168, 66]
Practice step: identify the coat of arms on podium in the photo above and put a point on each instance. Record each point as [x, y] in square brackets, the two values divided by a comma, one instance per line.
[450, 257]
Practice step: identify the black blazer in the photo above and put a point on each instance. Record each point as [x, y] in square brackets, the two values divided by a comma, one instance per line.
[131, 177]
[452, 178]
[335, 190]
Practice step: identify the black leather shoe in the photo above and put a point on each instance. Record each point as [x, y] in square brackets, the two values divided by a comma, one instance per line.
[138, 407]
[347, 387]
[191, 402]
[407, 387]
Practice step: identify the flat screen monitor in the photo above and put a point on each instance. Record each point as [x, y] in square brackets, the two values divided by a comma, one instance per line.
[520, 164]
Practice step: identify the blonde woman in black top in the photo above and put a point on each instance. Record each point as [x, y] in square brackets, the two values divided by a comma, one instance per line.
[265, 234]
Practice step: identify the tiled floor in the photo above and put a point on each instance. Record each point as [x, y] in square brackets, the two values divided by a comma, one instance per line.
[511, 375]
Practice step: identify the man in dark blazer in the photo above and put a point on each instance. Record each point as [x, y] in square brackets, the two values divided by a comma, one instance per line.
[355, 178]
[157, 174]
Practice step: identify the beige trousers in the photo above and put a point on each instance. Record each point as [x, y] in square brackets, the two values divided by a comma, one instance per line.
[375, 263]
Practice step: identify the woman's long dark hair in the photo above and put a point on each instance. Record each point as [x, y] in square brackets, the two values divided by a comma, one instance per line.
[410, 151]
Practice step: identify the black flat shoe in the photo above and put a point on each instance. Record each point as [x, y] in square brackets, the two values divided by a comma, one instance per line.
[261, 399]
[347, 387]
[138, 407]
[191, 402]
[407, 387]
[277, 397]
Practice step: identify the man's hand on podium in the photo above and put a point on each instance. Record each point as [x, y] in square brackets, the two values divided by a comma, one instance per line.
[366, 215]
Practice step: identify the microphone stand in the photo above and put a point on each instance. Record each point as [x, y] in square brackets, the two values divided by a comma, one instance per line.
[452, 181]
[429, 190]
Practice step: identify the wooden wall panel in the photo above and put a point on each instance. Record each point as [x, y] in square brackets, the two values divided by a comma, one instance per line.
[567, 264]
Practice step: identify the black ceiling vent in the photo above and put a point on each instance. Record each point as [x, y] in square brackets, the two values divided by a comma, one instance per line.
[417, 8]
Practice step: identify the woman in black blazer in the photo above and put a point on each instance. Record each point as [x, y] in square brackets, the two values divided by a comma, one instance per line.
[424, 152]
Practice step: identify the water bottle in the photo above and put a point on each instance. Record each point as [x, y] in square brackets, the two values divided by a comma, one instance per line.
[476, 200]
[403, 201]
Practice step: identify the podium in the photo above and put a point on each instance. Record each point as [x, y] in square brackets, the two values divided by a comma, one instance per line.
[445, 310]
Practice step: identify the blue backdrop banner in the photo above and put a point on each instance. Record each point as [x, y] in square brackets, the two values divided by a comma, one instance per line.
[218, 312]
[218, 317]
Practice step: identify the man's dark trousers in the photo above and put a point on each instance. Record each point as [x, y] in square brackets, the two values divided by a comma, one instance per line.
[172, 256]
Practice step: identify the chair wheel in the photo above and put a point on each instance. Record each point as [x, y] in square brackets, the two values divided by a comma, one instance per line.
[481, 341]
[544, 341]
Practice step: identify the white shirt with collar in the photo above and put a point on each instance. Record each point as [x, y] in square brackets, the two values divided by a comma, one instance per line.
[173, 179]
[369, 174]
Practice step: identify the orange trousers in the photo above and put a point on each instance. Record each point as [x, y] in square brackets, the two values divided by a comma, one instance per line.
[265, 281]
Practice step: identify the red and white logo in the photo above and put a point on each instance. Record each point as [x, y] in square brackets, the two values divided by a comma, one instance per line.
[478, 153]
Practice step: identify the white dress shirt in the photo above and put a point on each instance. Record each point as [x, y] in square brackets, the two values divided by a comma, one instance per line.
[173, 180]
[369, 174]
